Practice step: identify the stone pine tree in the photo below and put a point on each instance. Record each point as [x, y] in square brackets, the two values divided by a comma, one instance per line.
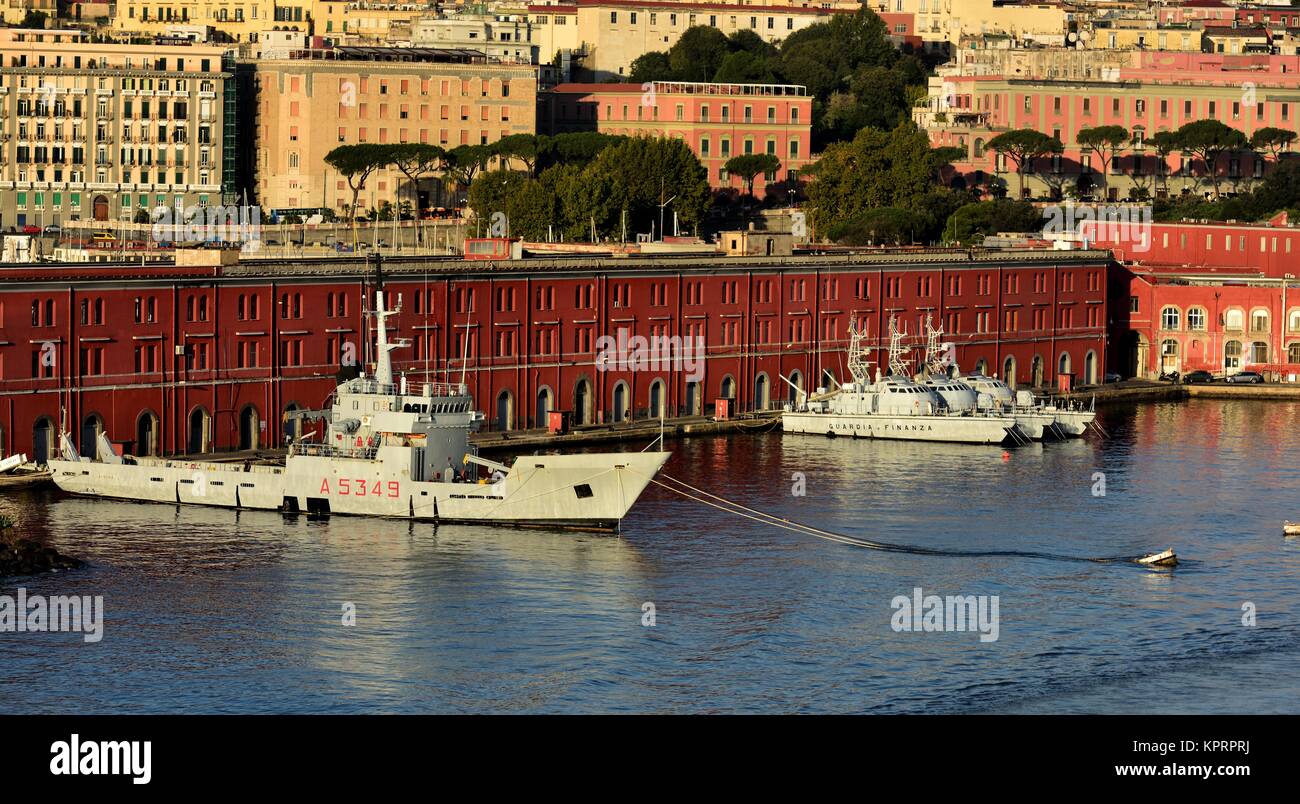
[1105, 142]
[1022, 146]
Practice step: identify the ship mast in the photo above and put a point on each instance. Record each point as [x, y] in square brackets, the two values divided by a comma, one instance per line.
[859, 366]
[896, 349]
[383, 362]
[935, 362]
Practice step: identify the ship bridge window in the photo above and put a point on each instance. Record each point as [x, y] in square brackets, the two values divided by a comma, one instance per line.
[583, 491]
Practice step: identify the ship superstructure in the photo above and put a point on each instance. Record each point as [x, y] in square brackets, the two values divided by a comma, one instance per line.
[390, 448]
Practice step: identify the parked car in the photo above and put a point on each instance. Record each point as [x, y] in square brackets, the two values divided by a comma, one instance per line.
[1245, 376]
[1198, 376]
[31, 229]
[1111, 377]
[54, 230]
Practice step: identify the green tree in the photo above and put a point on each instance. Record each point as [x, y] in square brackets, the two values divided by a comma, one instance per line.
[991, 217]
[748, 166]
[1105, 142]
[1210, 140]
[876, 169]
[1163, 143]
[416, 160]
[355, 163]
[651, 66]
[697, 54]
[524, 147]
[493, 193]
[1272, 141]
[1022, 146]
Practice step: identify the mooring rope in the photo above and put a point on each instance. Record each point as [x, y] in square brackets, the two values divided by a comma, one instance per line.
[737, 509]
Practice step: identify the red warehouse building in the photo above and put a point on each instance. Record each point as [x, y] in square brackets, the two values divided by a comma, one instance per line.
[185, 360]
[1220, 297]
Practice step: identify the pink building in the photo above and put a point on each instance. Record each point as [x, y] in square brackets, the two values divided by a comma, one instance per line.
[717, 121]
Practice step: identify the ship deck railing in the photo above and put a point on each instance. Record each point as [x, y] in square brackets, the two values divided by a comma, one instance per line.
[362, 385]
[326, 451]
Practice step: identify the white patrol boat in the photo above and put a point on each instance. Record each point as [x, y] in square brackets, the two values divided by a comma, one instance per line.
[388, 451]
[893, 407]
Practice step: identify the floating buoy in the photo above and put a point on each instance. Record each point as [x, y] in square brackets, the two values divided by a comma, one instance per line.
[1291, 528]
[1165, 558]
[1006, 456]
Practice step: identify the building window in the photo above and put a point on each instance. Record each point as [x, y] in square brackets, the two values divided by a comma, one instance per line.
[1170, 318]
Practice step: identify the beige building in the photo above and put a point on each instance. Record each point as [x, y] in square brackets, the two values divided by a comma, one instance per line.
[947, 21]
[306, 107]
[611, 34]
[101, 131]
[240, 20]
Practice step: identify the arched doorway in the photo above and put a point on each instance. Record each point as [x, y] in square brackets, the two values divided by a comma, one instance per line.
[146, 434]
[42, 440]
[761, 397]
[91, 427]
[582, 402]
[621, 412]
[692, 398]
[250, 427]
[505, 411]
[1090, 368]
[292, 426]
[657, 410]
[1009, 371]
[200, 434]
[728, 388]
[1036, 371]
[100, 207]
[1063, 364]
[545, 403]
[982, 367]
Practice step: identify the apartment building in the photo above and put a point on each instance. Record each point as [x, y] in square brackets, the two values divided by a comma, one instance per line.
[503, 37]
[717, 121]
[237, 20]
[611, 34]
[1060, 91]
[314, 101]
[101, 131]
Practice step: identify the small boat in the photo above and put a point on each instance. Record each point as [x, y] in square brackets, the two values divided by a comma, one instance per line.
[1291, 528]
[1164, 558]
[26, 476]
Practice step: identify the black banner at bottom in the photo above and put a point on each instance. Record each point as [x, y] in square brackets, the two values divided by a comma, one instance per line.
[136, 754]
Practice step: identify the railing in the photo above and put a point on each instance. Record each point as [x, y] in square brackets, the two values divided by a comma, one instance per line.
[327, 451]
[436, 389]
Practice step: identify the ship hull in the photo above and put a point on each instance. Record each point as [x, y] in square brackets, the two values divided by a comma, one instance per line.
[950, 429]
[1074, 423]
[581, 491]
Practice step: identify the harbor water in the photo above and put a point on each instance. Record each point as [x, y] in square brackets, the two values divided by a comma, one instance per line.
[692, 609]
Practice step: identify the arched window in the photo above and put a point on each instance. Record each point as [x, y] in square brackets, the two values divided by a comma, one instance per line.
[1293, 353]
[1169, 347]
[1259, 352]
[1259, 320]
[1009, 371]
[1234, 319]
[1196, 318]
[1064, 363]
[1293, 322]
[1170, 318]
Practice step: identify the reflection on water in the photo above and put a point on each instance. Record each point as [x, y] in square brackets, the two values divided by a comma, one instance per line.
[221, 611]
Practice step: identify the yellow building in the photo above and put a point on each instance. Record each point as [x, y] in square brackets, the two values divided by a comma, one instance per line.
[946, 21]
[309, 105]
[241, 20]
[100, 131]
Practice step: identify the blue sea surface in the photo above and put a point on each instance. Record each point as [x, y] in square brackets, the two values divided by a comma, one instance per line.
[216, 611]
